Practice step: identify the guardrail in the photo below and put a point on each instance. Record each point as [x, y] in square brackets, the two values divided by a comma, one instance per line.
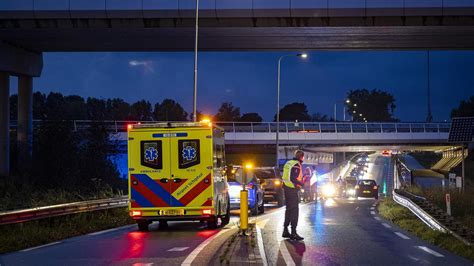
[25, 215]
[270, 127]
[433, 216]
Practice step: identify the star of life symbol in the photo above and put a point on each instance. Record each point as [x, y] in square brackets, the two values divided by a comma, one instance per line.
[151, 154]
[189, 153]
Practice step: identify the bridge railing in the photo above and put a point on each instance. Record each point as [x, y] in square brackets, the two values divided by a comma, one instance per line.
[271, 127]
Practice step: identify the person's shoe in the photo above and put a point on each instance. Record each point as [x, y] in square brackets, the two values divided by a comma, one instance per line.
[295, 236]
[286, 234]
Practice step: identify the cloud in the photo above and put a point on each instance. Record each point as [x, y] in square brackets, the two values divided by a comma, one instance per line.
[147, 65]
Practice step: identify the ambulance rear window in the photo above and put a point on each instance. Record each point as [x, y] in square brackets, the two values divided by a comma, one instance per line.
[189, 153]
[151, 155]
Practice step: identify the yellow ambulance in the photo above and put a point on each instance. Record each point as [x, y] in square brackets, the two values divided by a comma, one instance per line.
[176, 171]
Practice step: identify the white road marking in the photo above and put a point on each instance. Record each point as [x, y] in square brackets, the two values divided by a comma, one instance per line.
[372, 212]
[372, 208]
[386, 225]
[286, 254]
[261, 248]
[432, 252]
[178, 249]
[190, 258]
[401, 235]
[377, 218]
[42, 246]
[110, 230]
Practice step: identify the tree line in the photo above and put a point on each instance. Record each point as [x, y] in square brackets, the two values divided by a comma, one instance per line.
[373, 105]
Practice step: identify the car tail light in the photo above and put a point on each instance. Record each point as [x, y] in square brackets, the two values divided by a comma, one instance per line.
[207, 212]
[249, 186]
[277, 182]
[135, 213]
[375, 187]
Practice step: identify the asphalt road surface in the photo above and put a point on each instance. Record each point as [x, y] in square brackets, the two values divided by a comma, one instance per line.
[349, 232]
[336, 231]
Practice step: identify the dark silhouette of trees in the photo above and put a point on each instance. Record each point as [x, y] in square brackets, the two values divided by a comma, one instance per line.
[318, 117]
[250, 117]
[141, 111]
[465, 108]
[374, 105]
[117, 109]
[169, 110]
[227, 112]
[294, 111]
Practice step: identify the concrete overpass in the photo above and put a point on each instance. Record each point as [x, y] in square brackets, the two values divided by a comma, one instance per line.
[30, 27]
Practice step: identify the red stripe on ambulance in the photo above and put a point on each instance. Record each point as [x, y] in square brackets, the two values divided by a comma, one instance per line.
[148, 194]
[196, 190]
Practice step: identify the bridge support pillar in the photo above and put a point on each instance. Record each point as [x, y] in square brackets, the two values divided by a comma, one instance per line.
[4, 124]
[25, 119]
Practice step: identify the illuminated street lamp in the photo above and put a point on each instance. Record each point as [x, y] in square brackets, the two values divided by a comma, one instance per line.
[196, 62]
[302, 55]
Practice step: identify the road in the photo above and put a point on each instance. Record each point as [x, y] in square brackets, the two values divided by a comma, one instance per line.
[336, 231]
[349, 232]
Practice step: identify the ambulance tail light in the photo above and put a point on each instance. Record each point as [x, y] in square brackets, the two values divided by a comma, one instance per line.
[135, 213]
[129, 126]
[207, 211]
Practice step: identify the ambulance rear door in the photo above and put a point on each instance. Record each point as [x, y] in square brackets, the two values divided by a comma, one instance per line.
[191, 167]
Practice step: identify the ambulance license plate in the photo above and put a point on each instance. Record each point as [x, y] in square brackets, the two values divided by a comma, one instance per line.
[173, 212]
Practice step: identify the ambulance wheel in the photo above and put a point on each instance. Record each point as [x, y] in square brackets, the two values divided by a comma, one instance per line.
[163, 225]
[226, 218]
[212, 222]
[142, 225]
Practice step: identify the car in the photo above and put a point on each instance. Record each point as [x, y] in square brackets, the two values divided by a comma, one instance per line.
[366, 188]
[272, 185]
[255, 193]
[350, 187]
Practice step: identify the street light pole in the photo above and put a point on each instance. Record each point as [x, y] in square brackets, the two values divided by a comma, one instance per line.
[278, 106]
[196, 62]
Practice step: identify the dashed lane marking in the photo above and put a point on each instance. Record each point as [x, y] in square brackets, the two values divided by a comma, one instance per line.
[432, 252]
[372, 208]
[178, 249]
[372, 212]
[386, 225]
[38, 247]
[401, 235]
[377, 218]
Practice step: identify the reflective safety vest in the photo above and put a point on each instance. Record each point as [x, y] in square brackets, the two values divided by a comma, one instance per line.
[287, 172]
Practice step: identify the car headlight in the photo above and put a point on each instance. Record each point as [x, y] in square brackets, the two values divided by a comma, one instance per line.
[329, 190]
[351, 191]
[234, 191]
[277, 182]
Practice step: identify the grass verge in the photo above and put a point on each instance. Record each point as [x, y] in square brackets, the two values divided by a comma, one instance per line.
[21, 236]
[401, 216]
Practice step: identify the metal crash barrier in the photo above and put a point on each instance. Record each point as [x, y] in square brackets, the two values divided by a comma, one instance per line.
[25, 215]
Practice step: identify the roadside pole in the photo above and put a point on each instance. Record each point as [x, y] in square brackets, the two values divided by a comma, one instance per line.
[462, 172]
[448, 204]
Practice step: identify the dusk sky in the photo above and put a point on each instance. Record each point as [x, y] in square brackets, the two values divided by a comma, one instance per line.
[249, 79]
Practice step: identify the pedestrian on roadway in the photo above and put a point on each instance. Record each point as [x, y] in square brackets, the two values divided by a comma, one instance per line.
[293, 181]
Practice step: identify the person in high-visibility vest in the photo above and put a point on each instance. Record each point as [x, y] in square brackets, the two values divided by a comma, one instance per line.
[293, 181]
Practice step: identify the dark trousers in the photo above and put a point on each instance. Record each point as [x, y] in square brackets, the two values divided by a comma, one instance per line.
[292, 211]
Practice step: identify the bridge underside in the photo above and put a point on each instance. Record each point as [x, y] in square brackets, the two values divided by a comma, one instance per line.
[233, 34]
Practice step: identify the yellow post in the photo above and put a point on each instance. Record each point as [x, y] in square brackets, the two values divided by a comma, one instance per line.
[244, 209]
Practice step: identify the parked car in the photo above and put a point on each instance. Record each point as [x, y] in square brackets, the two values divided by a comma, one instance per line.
[272, 184]
[255, 193]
